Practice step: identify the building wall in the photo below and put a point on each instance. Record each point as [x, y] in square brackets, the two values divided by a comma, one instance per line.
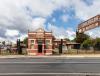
[47, 40]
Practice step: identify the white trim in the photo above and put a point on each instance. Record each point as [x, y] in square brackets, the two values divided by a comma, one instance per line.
[48, 53]
[32, 53]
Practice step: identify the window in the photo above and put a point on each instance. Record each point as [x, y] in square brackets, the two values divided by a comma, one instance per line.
[32, 44]
[32, 41]
[47, 42]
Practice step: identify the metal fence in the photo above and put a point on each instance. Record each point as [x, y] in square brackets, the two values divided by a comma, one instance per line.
[77, 51]
[12, 51]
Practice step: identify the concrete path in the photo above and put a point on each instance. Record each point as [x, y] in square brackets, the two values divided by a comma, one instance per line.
[53, 56]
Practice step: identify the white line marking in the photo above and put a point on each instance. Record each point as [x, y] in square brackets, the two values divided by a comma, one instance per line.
[50, 74]
[49, 62]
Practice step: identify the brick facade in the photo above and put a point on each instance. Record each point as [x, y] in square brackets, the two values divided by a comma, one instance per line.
[40, 42]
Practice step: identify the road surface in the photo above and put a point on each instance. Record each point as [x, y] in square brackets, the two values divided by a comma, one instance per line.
[50, 67]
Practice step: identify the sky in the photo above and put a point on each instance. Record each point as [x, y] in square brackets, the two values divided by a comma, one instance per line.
[59, 16]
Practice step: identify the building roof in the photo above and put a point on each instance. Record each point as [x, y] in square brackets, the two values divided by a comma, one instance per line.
[39, 30]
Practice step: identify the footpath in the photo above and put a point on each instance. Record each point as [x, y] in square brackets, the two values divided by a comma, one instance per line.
[53, 56]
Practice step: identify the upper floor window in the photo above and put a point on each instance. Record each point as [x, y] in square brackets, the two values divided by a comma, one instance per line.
[47, 41]
[32, 41]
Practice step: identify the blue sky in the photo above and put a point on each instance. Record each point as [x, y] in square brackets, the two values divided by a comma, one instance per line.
[64, 19]
[60, 16]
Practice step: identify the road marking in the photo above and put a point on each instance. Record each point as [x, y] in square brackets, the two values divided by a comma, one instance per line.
[50, 62]
[50, 74]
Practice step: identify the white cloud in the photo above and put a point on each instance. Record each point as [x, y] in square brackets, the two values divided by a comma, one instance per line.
[70, 33]
[60, 32]
[11, 33]
[23, 36]
[2, 39]
[37, 23]
[94, 33]
[84, 11]
[19, 14]
[22, 15]
[64, 18]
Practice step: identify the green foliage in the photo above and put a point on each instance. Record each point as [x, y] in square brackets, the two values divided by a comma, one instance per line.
[25, 41]
[3, 42]
[87, 44]
[74, 40]
[96, 44]
[67, 39]
[81, 37]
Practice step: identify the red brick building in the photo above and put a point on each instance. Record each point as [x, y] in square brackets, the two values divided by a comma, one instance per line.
[40, 42]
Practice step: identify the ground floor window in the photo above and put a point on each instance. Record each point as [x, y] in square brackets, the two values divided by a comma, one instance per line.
[32, 44]
[47, 42]
[32, 41]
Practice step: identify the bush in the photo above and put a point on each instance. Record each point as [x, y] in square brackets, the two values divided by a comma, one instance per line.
[87, 44]
[96, 44]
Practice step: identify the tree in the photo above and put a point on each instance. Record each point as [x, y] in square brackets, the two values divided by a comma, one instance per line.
[87, 44]
[81, 37]
[3, 42]
[96, 44]
[67, 39]
[25, 41]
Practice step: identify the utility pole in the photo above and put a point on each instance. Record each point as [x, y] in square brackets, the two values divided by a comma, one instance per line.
[19, 48]
[60, 46]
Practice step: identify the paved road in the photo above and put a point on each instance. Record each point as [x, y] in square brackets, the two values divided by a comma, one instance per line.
[49, 67]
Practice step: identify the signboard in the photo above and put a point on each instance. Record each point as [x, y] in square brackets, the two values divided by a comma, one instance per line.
[89, 24]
